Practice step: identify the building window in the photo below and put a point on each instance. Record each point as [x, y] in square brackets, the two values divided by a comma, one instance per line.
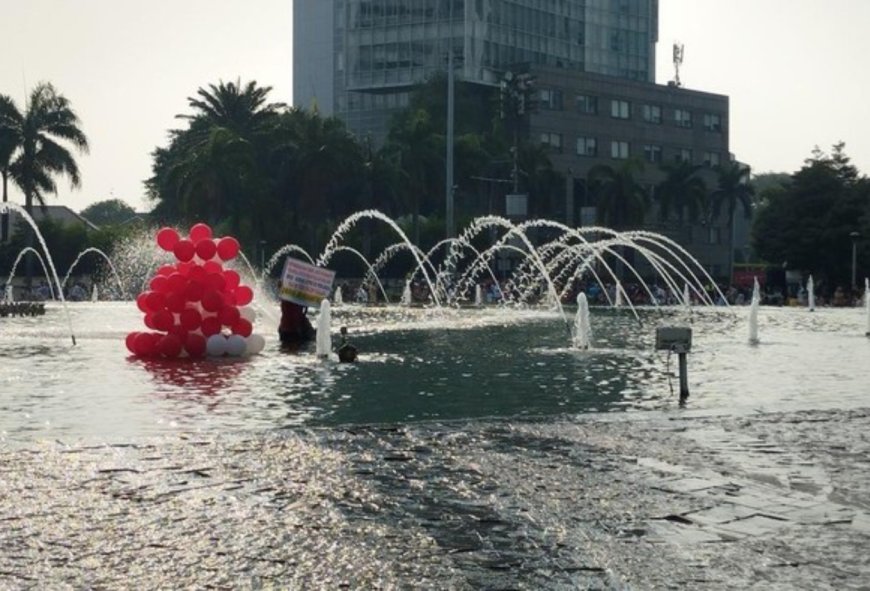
[714, 235]
[587, 104]
[711, 159]
[652, 113]
[652, 153]
[553, 140]
[550, 99]
[712, 122]
[684, 155]
[683, 118]
[619, 109]
[619, 150]
[587, 146]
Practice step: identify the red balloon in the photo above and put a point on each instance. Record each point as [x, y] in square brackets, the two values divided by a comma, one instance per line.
[163, 320]
[229, 298]
[244, 295]
[145, 344]
[228, 315]
[211, 267]
[190, 319]
[185, 268]
[177, 281]
[243, 327]
[184, 250]
[178, 331]
[169, 346]
[206, 249]
[210, 325]
[166, 270]
[149, 320]
[212, 300]
[141, 301]
[130, 340]
[199, 232]
[194, 344]
[231, 279]
[216, 282]
[175, 302]
[227, 248]
[159, 283]
[197, 272]
[167, 238]
[155, 301]
[193, 290]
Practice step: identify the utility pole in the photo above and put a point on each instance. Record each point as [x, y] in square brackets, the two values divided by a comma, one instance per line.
[448, 185]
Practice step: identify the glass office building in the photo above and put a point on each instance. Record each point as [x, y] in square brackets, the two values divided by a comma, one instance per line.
[378, 49]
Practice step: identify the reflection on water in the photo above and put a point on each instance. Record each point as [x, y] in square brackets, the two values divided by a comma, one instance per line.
[418, 364]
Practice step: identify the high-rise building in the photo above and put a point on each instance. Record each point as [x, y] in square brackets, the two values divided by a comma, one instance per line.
[359, 58]
[593, 65]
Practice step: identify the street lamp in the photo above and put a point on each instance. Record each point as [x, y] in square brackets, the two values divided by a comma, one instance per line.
[450, 229]
[854, 236]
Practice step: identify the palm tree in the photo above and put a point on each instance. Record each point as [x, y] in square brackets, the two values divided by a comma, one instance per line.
[682, 191]
[734, 189]
[622, 201]
[9, 142]
[418, 149]
[243, 110]
[47, 121]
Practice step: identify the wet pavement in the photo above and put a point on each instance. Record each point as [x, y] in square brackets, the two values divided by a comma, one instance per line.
[639, 501]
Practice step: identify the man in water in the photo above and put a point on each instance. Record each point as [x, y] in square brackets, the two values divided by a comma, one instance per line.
[295, 328]
[346, 351]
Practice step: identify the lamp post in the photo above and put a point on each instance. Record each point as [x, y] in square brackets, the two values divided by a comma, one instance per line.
[854, 236]
[448, 185]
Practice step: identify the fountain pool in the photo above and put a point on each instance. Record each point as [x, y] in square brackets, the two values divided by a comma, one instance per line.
[420, 364]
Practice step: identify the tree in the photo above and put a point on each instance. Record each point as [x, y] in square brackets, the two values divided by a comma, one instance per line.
[9, 142]
[213, 169]
[807, 223]
[108, 212]
[42, 130]
[417, 148]
[243, 110]
[733, 189]
[682, 191]
[621, 201]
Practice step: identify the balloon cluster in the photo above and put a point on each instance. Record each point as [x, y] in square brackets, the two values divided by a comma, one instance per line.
[195, 307]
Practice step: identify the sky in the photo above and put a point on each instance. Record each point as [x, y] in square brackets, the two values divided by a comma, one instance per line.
[794, 71]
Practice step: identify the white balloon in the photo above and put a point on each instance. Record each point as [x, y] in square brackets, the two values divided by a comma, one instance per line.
[248, 313]
[236, 345]
[216, 345]
[256, 343]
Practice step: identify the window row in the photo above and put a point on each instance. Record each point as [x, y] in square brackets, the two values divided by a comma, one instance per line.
[622, 150]
[551, 99]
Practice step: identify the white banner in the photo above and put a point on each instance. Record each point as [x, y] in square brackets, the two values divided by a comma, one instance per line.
[305, 284]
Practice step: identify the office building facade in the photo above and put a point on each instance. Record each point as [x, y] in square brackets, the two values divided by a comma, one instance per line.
[358, 59]
[593, 63]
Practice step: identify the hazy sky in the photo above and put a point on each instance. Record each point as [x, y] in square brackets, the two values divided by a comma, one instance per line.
[794, 69]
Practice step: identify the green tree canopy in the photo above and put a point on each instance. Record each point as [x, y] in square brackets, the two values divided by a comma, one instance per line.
[807, 223]
[108, 212]
[622, 202]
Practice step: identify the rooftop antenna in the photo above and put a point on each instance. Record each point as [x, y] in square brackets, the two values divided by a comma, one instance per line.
[678, 61]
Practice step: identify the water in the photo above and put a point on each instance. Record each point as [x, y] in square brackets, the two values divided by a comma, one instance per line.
[753, 313]
[323, 342]
[582, 328]
[418, 365]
